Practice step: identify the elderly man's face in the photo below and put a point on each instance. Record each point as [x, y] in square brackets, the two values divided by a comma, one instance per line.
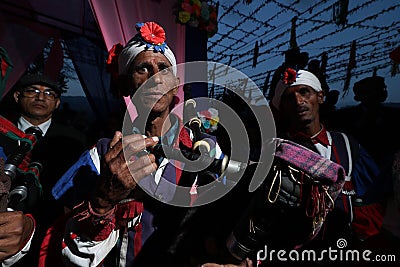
[157, 84]
[300, 104]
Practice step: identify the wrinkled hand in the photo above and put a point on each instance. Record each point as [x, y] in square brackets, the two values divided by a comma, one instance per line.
[245, 263]
[15, 229]
[122, 167]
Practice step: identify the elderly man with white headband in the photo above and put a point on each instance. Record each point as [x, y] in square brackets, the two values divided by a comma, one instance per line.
[112, 216]
[296, 103]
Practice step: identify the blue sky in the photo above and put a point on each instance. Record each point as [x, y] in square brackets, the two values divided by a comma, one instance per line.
[374, 24]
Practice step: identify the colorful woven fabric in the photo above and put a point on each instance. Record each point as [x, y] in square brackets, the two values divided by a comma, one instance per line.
[314, 197]
[319, 168]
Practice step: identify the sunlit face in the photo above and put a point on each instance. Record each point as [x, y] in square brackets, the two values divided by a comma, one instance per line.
[37, 106]
[300, 104]
[153, 81]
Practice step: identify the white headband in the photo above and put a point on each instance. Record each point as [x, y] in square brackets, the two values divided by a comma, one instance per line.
[136, 45]
[302, 77]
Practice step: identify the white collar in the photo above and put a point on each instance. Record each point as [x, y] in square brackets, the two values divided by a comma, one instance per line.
[23, 124]
[326, 152]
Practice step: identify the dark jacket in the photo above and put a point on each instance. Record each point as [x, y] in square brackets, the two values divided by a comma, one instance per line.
[56, 151]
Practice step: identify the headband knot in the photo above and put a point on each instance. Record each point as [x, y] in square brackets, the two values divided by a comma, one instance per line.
[112, 60]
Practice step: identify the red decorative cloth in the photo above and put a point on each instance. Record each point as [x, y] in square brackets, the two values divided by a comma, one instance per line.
[321, 138]
[184, 138]
[368, 219]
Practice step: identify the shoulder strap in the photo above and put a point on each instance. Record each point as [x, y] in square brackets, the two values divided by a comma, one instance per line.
[349, 157]
[347, 146]
[340, 146]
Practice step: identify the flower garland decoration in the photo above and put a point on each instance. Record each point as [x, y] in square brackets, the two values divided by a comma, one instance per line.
[209, 120]
[289, 76]
[198, 14]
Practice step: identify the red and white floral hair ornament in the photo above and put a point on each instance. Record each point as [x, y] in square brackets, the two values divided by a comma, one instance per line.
[291, 78]
[150, 36]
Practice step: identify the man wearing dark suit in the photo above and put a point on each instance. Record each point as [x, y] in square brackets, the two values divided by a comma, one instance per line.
[58, 147]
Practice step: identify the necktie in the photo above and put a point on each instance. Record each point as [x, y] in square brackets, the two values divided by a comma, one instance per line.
[35, 130]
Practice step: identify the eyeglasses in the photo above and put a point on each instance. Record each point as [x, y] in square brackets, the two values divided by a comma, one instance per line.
[48, 94]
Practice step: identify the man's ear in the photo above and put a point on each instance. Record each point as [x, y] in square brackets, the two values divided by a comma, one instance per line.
[16, 96]
[58, 101]
[320, 96]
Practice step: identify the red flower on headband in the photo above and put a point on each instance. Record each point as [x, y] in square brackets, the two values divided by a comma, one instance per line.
[152, 33]
[289, 76]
